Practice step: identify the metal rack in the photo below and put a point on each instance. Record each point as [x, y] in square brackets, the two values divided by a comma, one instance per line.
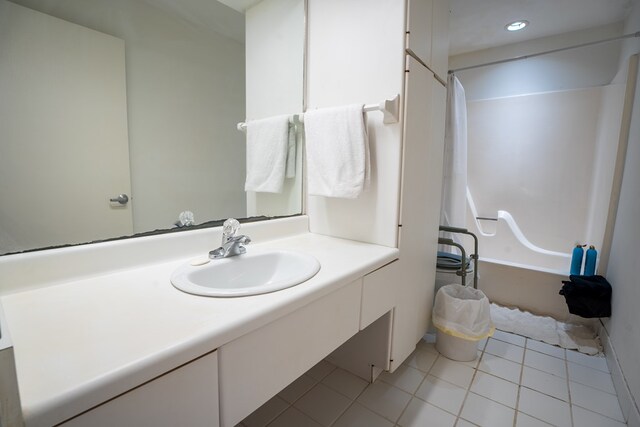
[462, 272]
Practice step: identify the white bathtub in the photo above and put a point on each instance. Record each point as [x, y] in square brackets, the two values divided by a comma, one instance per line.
[514, 272]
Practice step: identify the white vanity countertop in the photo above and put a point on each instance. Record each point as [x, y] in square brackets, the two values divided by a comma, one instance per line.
[80, 343]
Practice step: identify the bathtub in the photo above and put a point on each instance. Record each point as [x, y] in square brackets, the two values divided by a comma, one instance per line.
[514, 272]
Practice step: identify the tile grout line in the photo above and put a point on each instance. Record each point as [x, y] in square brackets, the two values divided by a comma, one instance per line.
[517, 408]
[316, 382]
[473, 377]
[566, 366]
[353, 401]
[414, 393]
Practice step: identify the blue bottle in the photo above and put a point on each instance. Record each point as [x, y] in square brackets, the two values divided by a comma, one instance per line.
[576, 260]
[590, 261]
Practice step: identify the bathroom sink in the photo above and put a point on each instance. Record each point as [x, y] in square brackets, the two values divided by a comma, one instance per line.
[252, 273]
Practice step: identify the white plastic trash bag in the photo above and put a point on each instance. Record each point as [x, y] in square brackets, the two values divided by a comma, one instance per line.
[463, 312]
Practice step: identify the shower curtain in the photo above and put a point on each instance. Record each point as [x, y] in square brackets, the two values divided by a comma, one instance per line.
[454, 188]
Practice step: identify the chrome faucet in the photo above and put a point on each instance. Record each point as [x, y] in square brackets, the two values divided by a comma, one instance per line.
[232, 245]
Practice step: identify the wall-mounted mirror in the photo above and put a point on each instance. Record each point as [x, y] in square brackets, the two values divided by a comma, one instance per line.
[118, 115]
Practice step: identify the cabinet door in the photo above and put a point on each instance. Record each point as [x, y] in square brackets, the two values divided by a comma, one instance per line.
[419, 17]
[420, 213]
[440, 38]
[187, 396]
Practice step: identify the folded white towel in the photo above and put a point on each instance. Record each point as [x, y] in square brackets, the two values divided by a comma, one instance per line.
[337, 151]
[267, 145]
[290, 171]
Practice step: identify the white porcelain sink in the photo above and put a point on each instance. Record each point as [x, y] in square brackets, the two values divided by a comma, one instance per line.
[252, 273]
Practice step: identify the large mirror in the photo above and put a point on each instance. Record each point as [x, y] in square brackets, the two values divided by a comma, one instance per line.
[119, 117]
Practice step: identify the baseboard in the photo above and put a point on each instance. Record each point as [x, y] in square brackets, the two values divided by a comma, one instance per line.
[627, 403]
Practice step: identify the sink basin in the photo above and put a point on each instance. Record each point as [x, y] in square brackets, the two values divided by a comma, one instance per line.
[252, 273]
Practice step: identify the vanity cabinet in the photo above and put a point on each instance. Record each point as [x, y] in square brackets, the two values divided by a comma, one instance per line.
[256, 366]
[358, 54]
[185, 396]
[379, 293]
[427, 33]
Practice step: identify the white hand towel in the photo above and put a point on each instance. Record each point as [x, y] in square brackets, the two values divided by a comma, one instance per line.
[267, 144]
[290, 170]
[337, 151]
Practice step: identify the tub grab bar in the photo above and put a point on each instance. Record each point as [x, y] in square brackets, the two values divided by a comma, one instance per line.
[473, 256]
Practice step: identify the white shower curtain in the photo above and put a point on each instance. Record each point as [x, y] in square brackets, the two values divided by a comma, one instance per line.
[454, 188]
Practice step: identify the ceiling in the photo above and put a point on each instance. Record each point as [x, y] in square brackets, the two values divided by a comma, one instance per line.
[479, 24]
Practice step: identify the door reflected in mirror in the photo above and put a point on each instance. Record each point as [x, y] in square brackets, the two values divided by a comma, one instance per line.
[118, 117]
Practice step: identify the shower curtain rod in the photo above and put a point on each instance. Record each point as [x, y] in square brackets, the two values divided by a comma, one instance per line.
[533, 55]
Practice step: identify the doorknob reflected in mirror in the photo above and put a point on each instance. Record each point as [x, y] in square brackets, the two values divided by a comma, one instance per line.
[123, 199]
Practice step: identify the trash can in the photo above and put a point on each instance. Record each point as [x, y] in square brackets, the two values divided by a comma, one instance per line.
[462, 317]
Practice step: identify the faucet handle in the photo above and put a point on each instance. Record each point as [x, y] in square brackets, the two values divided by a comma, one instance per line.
[229, 229]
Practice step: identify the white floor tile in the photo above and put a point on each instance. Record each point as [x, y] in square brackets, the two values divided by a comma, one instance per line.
[296, 389]
[345, 383]
[486, 413]
[481, 345]
[545, 408]
[500, 367]
[543, 347]
[321, 370]
[545, 383]
[359, 416]
[494, 388]
[596, 400]
[385, 399]
[591, 377]
[474, 363]
[266, 413]
[505, 350]
[422, 359]
[454, 372]
[322, 404]
[429, 345]
[509, 337]
[546, 363]
[420, 414]
[293, 418]
[442, 394]
[405, 377]
[595, 362]
[584, 418]
[524, 420]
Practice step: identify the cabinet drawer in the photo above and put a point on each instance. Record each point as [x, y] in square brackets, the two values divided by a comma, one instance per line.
[379, 293]
[256, 366]
[185, 396]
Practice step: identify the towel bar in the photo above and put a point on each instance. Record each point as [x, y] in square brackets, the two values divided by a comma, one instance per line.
[390, 109]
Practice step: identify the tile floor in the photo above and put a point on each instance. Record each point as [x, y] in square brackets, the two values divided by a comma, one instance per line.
[514, 382]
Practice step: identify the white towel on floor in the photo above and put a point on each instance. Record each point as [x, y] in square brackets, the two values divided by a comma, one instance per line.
[337, 151]
[267, 146]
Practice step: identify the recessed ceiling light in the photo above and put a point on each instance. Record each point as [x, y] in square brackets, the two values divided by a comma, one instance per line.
[516, 25]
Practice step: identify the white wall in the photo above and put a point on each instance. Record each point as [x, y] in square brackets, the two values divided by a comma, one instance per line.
[622, 272]
[179, 128]
[580, 68]
[275, 85]
[547, 159]
[349, 64]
